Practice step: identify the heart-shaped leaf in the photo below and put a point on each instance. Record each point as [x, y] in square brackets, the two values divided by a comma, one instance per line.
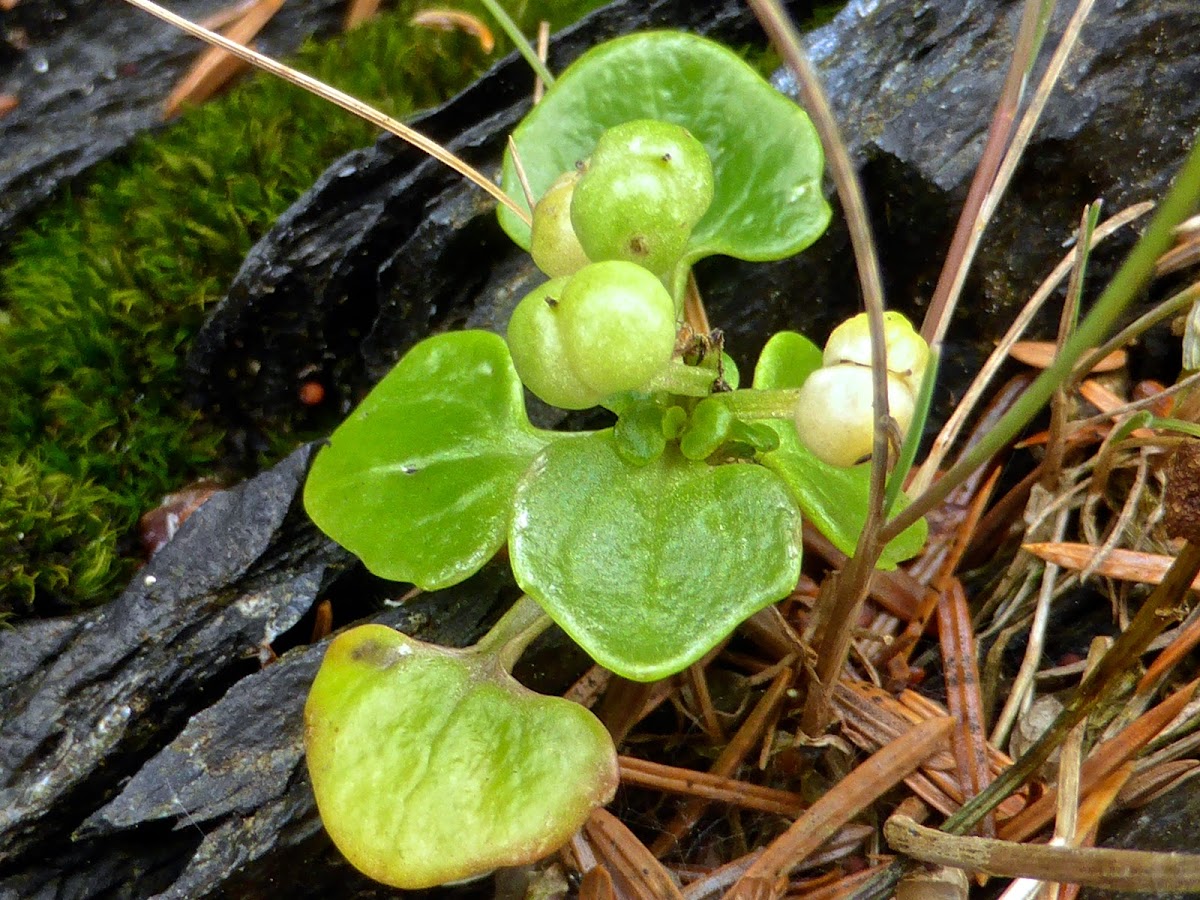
[767, 159]
[833, 498]
[432, 765]
[648, 567]
[419, 480]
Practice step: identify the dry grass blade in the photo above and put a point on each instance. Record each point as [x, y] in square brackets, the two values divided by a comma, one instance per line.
[876, 775]
[1040, 354]
[948, 559]
[345, 101]
[1008, 165]
[456, 20]
[971, 220]
[597, 885]
[543, 51]
[872, 718]
[216, 67]
[1155, 781]
[625, 703]
[701, 699]
[359, 11]
[1031, 659]
[965, 409]
[1123, 565]
[1101, 763]
[1186, 639]
[1130, 870]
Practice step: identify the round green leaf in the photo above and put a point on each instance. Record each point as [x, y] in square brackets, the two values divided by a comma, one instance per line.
[432, 765]
[833, 498]
[419, 480]
[648, 567]
[767, 159]
[786, 361]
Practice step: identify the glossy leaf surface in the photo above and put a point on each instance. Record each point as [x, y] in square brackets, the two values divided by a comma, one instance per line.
[833, 498]
[419, 480]
[431, 765]
[649, 567]
[766, 156]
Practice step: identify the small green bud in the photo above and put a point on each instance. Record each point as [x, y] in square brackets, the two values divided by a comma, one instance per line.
[618, 326]
[535, 342]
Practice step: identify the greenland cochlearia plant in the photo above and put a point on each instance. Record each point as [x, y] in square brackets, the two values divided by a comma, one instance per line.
[647, 542]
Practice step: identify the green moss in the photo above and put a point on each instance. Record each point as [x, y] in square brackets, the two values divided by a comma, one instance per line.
[100, 296]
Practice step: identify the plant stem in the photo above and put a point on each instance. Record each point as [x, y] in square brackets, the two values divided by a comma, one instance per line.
[345, 101]
[834, 639]
[1179, 203]
[916, 429]
[514, 632]
[509, 27]
[776, 403]
[972, 219]
[680, 378]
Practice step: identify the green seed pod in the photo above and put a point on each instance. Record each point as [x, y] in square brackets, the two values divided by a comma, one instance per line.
[580, 338]
[646, 186]
[554, 246]
[535, 342]
[618, 326]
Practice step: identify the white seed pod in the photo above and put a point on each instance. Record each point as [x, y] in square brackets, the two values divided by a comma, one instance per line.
[907, 352]
[835, 416]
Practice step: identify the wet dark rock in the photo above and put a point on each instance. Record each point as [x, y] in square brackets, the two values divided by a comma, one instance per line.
[91, 76]
[87, 698]
[143, 748]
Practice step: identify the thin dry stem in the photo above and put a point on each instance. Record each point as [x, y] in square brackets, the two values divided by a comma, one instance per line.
[543, 50]
[1023, 684]
[345, 101]
[1008, 165]
[965, 409]
[739, 746]
[215, 67]
[1131, 870]
[971, 220]
[834, 642]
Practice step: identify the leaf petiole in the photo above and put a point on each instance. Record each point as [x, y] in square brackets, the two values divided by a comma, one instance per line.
[514, 632]
[683, 380]
[775, 403]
